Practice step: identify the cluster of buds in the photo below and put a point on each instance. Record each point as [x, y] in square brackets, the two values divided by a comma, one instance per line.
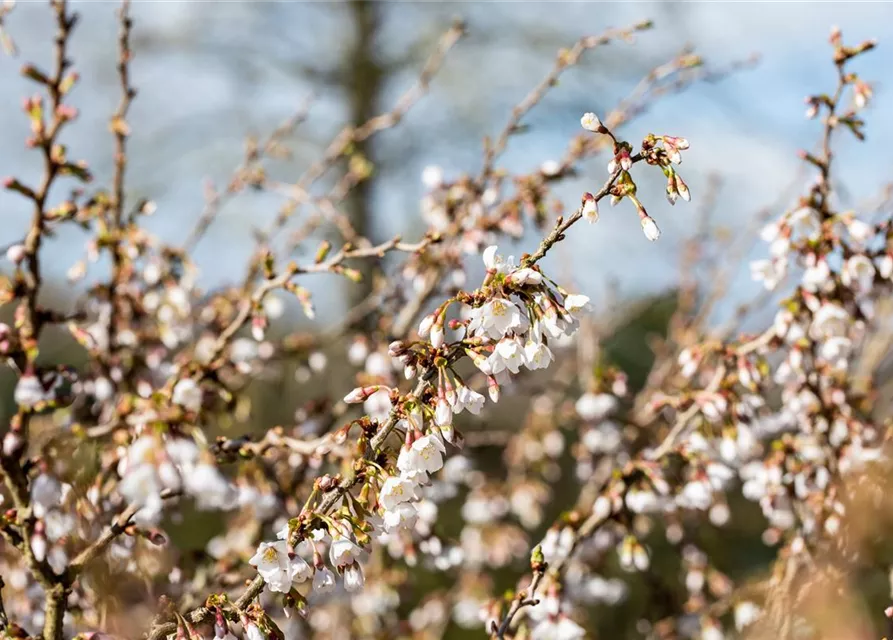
[661, 151]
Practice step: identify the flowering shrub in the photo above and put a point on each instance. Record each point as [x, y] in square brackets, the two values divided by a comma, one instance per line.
[333, 526]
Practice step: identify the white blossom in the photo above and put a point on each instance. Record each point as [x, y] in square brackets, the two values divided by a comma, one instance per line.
[746, 613]
[650, 229]
[424, 455]
[590, 210]
[525, 276]
[805, 224]
[831, 320]
[595, 407]
[16, 253]
[400, 518]
[590, 122]
[817, 277]
[46, 493]
[443, 413]
[187, 394]
[343, 551]
[276, 567]
[468, 398]
[496, 318]
[29, 392]
[253, 632]
[537, 355]
[354, 577]
[209, 487]
[885, 265]
[432, 177]
[860, 231]
[769, 272]
[495, 262]
[577, 302]
[858, 271]
[559, 628]
[378, 405]
[508, 354]
[396, 490]
[323, 580]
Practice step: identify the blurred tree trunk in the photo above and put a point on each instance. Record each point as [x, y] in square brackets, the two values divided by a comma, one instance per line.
[365, 78]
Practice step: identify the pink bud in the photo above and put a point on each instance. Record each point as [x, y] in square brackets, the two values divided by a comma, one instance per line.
[679, 143]
[360, 394]
[626, 162]
[590, 208]
[258, 327]
[682, 188]
[493, 388]
[396, 348]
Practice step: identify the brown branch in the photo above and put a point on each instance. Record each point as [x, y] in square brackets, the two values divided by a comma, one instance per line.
[562, 224]
[683, 418]
[121, 130]
[566, 59]
[524, 598]
[240, 177]
[350, 134]
[118, 526]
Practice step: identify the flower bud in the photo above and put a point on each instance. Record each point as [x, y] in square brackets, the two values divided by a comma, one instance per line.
[443, 414]
[16, 253]
[649, 227]
[679, 143]
[396, 348]
[590, 122]
[360, 394]
[437, 335]
[220, 626]
[39, 546]
[682, 189]
[493, 388]
[426, 324]
[12, 444]
[602, 508]
[590, 208]
[258, 327]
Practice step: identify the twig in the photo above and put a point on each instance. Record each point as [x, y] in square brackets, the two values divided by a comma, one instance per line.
[351, 135]
[525, 598]
[256, 152]
[118, 526]
[683, 419]
[562, 225]
[121, 130]
[566, 59]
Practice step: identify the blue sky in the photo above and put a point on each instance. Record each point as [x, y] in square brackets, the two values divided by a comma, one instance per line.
[210, 72]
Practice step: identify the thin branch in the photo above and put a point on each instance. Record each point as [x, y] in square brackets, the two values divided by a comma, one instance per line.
[524, 598]
[565, 60]
[350, 135]
[121, 130]
[685, 417]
